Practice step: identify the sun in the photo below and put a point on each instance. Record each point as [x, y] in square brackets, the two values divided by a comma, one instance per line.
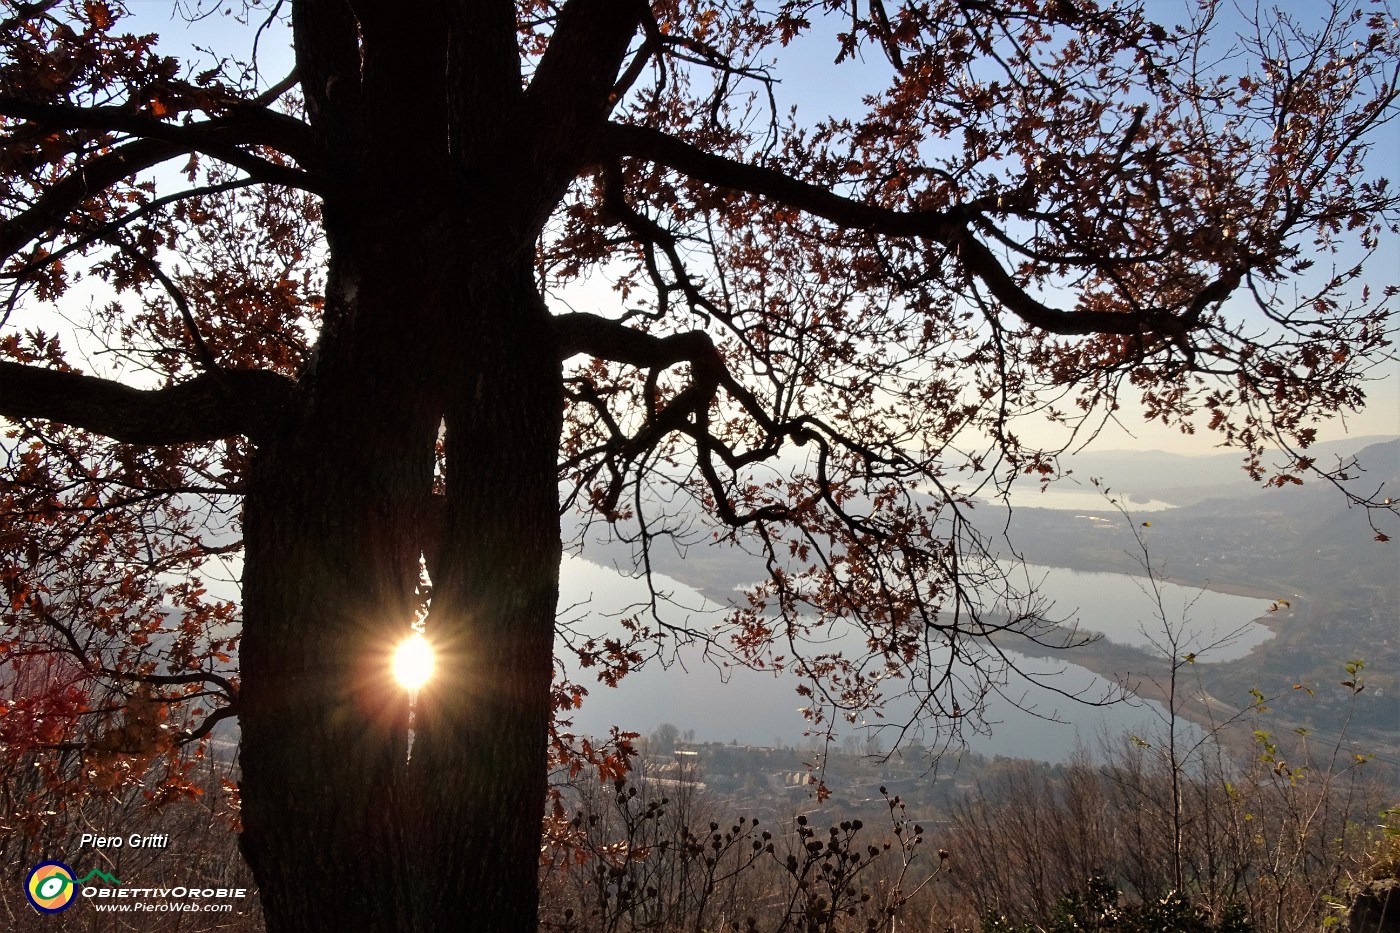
[413, 662]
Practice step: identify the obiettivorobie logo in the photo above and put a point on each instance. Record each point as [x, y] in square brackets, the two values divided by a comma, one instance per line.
[51, 886]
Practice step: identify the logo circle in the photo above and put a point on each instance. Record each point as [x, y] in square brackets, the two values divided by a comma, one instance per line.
[50, 887]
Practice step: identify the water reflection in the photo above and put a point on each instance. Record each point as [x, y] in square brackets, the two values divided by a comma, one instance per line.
[725, 703]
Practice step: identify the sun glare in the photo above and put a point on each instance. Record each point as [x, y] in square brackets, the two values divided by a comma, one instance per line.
[413, 662]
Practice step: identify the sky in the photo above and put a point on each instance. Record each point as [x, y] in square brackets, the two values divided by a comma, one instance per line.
[817, 89]
[808, 81]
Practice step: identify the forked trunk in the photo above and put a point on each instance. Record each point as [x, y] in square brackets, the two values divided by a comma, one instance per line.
[479, 761]
[342, 830]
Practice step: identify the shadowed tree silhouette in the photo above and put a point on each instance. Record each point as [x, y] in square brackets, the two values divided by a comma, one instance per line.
[322, 325]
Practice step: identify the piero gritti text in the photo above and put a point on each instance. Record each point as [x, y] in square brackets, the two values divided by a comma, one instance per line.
[134, 841]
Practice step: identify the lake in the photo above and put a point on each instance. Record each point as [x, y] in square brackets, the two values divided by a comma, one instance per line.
[762, 708]
[1124, 609]
[1074, 499]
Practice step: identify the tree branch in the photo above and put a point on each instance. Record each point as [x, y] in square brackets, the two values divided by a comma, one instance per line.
[606, 339]
[177, 297]
[952, 228]
[219, 137]
[326, 38]
[207, 407]
[97, 175]
[225, 686]
[207, 725]
[574, 82]
[655, 146]
[111, 227]
[572, 90]
[88, 179]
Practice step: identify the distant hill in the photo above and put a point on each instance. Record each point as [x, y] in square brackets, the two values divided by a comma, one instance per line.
[1239, 532]
[1184, 479]
[1261, 526]
[1319, 520]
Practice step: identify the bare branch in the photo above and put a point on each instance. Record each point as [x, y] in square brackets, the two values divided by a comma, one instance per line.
[207, 407]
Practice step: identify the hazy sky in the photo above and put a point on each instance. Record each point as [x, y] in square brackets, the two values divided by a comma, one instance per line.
[809, 81]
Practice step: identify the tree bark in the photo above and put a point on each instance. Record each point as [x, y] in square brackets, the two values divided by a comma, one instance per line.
[330, 527]
[444, 175]
[341, 829]
[479, 769]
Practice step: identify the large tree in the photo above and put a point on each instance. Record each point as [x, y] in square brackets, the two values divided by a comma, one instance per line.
[322, 330]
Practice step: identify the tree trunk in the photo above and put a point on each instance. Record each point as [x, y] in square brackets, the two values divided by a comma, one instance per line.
[433, 319]
[341, 829]
[480, 777]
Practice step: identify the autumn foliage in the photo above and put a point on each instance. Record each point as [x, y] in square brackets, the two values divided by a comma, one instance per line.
[323, 332]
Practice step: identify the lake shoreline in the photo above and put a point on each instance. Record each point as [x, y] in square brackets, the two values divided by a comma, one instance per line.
[1146, 675]
[1110, 662]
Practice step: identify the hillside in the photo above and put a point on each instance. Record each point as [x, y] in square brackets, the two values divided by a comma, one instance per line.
[1300, 544]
